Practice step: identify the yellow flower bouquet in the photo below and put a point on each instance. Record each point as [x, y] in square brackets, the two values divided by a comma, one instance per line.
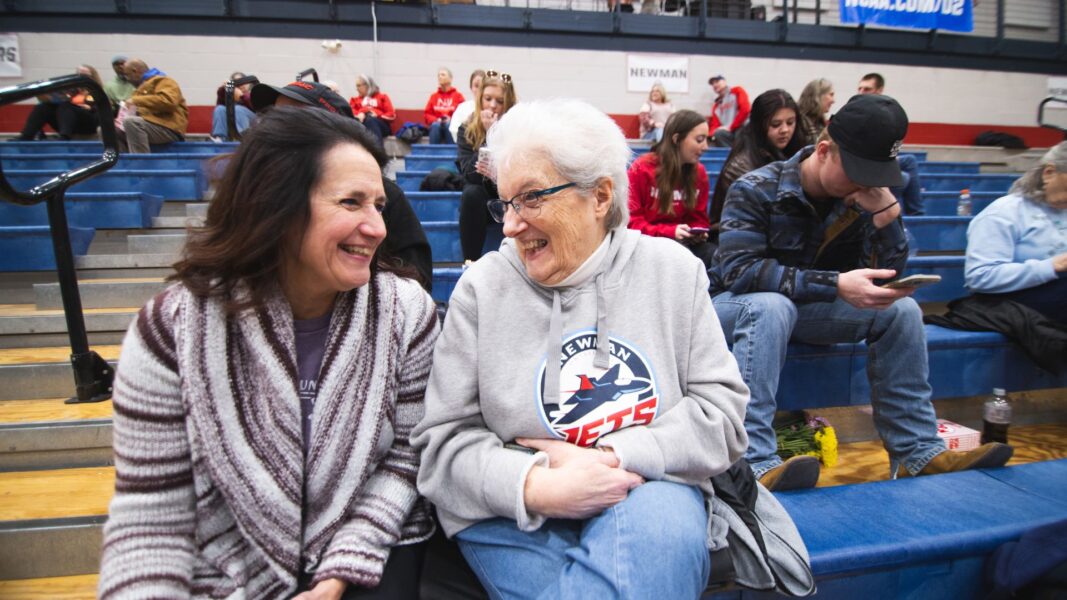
[813, 437]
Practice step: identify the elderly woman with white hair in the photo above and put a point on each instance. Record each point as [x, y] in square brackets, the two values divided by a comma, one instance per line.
[372, 107]
[582, 393]
[1017, 246]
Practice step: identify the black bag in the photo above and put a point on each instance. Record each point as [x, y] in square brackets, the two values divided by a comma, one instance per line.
[441, 180]
[411, 132]
[999, 138]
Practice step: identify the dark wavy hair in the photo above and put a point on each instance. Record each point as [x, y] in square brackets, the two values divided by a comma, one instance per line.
[753, 147]
[262, 200]
[672, 172]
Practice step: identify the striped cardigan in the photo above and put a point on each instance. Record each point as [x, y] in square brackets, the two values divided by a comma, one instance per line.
[213, 495]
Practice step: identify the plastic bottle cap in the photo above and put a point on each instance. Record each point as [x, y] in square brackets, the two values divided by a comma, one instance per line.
[965, 191]
[1000, 392]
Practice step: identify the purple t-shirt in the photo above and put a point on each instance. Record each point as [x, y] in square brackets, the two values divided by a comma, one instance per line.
[311, 337]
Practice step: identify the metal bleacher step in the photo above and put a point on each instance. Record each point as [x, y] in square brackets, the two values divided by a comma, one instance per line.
[42, 537]
[71, 587]
[42, 372]
[155, 243]
[102, 293]
[24, 325]
[177, 222]
[47, 433]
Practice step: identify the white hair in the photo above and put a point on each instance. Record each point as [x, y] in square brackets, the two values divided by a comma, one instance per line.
[1031, 185]
[581, 142]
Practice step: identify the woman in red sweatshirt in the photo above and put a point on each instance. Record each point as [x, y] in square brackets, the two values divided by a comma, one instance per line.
[440, 106]
[373, 108]
[669, 186]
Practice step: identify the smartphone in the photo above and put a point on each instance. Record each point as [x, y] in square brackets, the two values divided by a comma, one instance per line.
[698, 230]
[913, 281]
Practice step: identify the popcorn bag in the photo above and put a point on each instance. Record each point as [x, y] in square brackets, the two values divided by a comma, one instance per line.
[957, 437]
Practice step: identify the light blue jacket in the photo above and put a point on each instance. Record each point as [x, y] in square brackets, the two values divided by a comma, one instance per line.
[1011, 243]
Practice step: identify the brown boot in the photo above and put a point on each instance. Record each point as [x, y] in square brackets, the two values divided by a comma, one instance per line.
[797, 473]
[986, 456]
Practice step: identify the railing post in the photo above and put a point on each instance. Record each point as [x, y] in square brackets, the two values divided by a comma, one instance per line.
[818, 12]
[1000, 23]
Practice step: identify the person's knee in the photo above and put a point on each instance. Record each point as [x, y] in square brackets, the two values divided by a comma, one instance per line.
[670, 519]
[904, 313]
[769, 310]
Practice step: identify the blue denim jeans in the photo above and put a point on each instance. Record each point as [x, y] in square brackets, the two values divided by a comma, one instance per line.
[910, 195]
[760, 326]
[242, 117]
[651, 545]
[439, 133]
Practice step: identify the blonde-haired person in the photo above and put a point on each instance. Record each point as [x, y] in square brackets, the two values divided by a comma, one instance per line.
[372, 107]
[815, 101]
[71, 112]
[496, 97]
[654, 113]
[466, 108]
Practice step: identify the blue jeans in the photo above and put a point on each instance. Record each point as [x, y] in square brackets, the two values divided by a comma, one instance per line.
[439, 133]
[760, 327]
[655, 134]
[242, 117]
[910, 195]
[651, 545]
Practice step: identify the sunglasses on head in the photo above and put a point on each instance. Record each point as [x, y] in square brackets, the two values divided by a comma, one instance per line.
[505, 77]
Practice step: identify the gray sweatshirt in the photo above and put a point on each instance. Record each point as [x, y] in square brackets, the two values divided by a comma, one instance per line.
[641, 366]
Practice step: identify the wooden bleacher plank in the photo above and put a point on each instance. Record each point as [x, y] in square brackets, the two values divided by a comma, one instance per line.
[51, 410]
[56, 494]
[75, 587]
[30, 310]
[27, 356]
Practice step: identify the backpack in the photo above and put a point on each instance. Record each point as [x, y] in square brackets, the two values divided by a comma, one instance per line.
[441, 180]
[411, 132]
[999, 138]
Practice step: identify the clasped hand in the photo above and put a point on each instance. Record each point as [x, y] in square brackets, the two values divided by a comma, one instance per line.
[579, 482]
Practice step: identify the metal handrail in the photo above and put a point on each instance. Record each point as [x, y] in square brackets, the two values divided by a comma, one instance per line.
[1041, 114]
[92, 374]
[231, 109]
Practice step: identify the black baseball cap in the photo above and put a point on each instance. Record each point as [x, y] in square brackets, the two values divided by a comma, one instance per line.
[715, 78]
[869, 130]
[305, 92]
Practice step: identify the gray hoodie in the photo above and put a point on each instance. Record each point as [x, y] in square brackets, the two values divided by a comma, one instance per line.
[642, 367]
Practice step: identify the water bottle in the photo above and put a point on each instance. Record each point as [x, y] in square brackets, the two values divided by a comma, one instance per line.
[996, 417]
[963, 208]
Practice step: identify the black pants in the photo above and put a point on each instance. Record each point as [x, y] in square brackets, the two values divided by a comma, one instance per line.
[1050, 299]
[64, 117]
[400, 579]
[705, 251]
[473, 220]
[378, 127]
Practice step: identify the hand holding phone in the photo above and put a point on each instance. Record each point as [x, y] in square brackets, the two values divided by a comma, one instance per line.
[698, 230]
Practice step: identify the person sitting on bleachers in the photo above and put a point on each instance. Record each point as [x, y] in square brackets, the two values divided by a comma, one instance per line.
[654, 114]
[264, 402]
[373, 108]
[1017, 246]
[466, 108]
[909, 193]
[69, 112]
[439, 108]
[815, 102]
[496, 97]
[118, 89]
[407, 241]
[729, 111]
[771, 134]
[243, 115]
[157, 110]
[804, 246]
[669, 187]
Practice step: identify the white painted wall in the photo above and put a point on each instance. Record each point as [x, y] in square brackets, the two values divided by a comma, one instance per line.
[407, 72]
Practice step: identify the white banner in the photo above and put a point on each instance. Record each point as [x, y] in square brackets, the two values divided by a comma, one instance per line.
[642, 70]
[10, 61]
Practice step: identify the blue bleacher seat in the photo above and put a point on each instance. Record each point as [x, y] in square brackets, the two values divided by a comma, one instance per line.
[63, 162]
[943, 204]
[938, 234]
[172, 184]
[949, 167]
[73, 147]
[30, 248]
[118, 210]
[954, 182]
[950, 268]
[429, 163]
[435, 206]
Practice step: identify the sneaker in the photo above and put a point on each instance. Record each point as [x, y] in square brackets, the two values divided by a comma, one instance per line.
[216, 139]
[986, 456]
[797, 473]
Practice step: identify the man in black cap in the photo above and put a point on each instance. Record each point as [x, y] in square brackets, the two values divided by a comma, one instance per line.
[804, 247]
[406, 239]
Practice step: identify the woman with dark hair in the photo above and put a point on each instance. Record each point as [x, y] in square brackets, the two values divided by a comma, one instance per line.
[770, 135]
[70, 112]
[373, 108]
[669, 186]
[495, 98]
[264, 402]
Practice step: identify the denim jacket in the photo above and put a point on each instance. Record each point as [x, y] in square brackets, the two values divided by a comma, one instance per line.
[773, 240]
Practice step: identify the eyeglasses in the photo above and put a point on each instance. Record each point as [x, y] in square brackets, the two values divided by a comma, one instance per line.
[527, 201]
[505, 77]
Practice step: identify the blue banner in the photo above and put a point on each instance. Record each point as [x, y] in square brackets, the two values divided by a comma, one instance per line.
[950, 15]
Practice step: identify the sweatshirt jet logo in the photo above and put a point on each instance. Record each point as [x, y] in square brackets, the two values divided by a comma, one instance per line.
[595, 402]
